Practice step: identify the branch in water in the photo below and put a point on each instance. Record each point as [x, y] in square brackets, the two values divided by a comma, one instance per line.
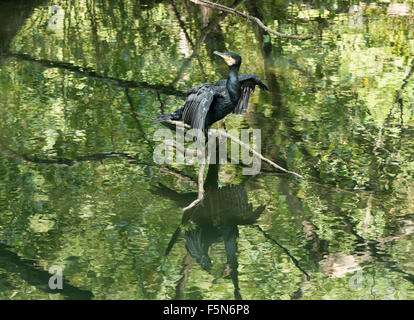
[250, 18]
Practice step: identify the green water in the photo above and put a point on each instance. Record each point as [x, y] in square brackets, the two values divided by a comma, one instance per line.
[79, 188]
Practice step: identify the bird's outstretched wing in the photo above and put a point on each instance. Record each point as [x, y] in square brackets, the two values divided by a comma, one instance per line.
[248, 82]
[197, 104]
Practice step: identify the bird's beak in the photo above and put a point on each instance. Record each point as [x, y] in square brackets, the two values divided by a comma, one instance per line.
[221, 55]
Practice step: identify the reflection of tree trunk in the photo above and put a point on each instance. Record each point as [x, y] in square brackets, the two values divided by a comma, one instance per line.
[197, 47]
[94, 28]
[13, 15]
[316, 246]
[268, 129]
[279, 112]
[214, 39]
[186, 34]
[266, 49]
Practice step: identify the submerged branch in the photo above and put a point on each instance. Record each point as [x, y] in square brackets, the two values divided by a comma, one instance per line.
[221, 7]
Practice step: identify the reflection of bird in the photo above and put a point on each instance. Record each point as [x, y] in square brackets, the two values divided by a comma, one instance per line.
[216, 221]
[224, 209]
[207, 103]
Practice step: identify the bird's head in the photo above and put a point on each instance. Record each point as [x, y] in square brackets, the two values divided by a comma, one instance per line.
[231, 58]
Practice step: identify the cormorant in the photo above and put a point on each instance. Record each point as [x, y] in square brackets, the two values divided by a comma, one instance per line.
[206, 103]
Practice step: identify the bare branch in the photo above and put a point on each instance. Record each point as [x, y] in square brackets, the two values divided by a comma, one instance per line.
[222, 133]
[245, 146]
[202, 161]
[221, 7]
[200, 196]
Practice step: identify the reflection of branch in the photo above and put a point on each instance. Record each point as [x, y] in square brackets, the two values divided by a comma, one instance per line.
[179, 289]
[250, 18]
[135, 116]
[284, 249]
[26, 270]
[63, 161]
[165, 89]
[94, 157]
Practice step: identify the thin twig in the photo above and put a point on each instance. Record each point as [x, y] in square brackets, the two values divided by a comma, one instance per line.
[250, 18]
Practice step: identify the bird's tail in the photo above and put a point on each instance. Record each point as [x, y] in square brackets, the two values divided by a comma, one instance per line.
[163, 117]
[176, 115]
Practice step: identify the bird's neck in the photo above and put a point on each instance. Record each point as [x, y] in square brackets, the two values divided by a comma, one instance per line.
[233, 84]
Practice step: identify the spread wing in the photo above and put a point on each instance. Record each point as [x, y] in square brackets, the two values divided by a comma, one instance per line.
[248, 82]
[197, 104]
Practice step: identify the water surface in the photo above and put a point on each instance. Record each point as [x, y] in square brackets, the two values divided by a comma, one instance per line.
[79, 188]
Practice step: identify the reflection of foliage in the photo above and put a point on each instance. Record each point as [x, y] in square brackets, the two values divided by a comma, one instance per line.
[330, 102]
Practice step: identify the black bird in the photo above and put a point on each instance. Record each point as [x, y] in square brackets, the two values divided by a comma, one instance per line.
[206, 103]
